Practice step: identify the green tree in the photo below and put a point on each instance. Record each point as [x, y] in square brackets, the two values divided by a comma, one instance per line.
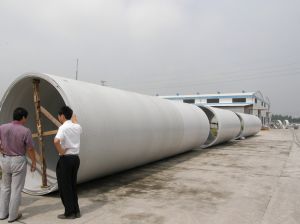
[285, 117]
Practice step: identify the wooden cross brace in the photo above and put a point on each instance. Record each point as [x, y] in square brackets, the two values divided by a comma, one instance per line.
[39, 110]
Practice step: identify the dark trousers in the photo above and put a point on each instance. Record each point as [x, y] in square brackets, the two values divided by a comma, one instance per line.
[66, 173]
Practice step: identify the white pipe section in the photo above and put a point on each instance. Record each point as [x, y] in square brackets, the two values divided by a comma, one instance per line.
[121, 129]
[286, 123]
[279, 124]
[194, 118]
[250, 124]
[224, 125]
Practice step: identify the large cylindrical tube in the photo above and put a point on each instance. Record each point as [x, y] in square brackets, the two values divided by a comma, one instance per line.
[250, 125]
[224, 125]
[286, 124]
[121, 129]
[279, 124]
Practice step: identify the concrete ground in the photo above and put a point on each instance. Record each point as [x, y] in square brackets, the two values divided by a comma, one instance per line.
[256, 180]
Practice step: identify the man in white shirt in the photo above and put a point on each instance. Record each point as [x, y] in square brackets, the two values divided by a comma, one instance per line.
[67, 144]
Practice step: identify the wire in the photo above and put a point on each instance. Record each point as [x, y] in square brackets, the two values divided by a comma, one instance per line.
[210, 79]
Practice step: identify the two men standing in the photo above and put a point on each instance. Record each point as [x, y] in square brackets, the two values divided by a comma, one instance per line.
[16, 141]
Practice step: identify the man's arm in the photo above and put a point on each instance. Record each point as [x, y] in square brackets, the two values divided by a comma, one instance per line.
[30, 150]
[74, 119]
[31, 154]
[1, 149]
[58, 147]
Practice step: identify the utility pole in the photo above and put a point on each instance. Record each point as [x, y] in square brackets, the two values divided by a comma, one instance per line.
[77, 69]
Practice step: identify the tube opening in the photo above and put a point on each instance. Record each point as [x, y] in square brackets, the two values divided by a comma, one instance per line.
[20, 94]
[214, 126]
[242, 126]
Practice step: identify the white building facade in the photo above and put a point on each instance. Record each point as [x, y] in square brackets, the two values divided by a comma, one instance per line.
[245, 102]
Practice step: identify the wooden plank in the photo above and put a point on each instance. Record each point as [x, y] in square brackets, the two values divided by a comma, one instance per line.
[48, 115]
[37, 107]
[45, 133]
[38, 157]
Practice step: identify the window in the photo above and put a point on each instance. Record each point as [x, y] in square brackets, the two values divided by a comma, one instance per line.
[238, 100]
[213, 100]
[255, 100]
[192, 101]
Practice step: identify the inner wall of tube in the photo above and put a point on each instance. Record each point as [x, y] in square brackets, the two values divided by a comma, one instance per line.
[21, 95]
[213, 123]
[242, 125]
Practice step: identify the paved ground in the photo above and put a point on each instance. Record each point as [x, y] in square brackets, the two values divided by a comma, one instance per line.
[255, 181]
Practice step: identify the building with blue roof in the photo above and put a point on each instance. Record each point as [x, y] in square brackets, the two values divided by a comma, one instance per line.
[245, 102]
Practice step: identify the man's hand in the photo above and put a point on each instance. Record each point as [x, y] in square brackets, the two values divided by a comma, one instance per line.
[31, 154]
[33, 167]
[74, 119]
[1, 149]
[58, 147]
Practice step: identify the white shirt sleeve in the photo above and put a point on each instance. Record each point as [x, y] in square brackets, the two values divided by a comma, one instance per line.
[60, 134]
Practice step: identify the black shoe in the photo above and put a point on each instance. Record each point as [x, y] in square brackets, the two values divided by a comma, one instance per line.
[63, 216]
[18, 217]
[4, 218]
[77, 215]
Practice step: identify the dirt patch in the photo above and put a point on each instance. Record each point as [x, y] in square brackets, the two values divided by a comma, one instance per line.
[143, 218]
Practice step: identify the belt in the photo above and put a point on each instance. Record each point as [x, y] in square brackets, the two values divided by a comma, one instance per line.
[4, 155]
[69, 155]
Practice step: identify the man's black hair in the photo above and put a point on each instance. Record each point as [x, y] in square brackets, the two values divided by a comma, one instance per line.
[19, 113]
[66, 111]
